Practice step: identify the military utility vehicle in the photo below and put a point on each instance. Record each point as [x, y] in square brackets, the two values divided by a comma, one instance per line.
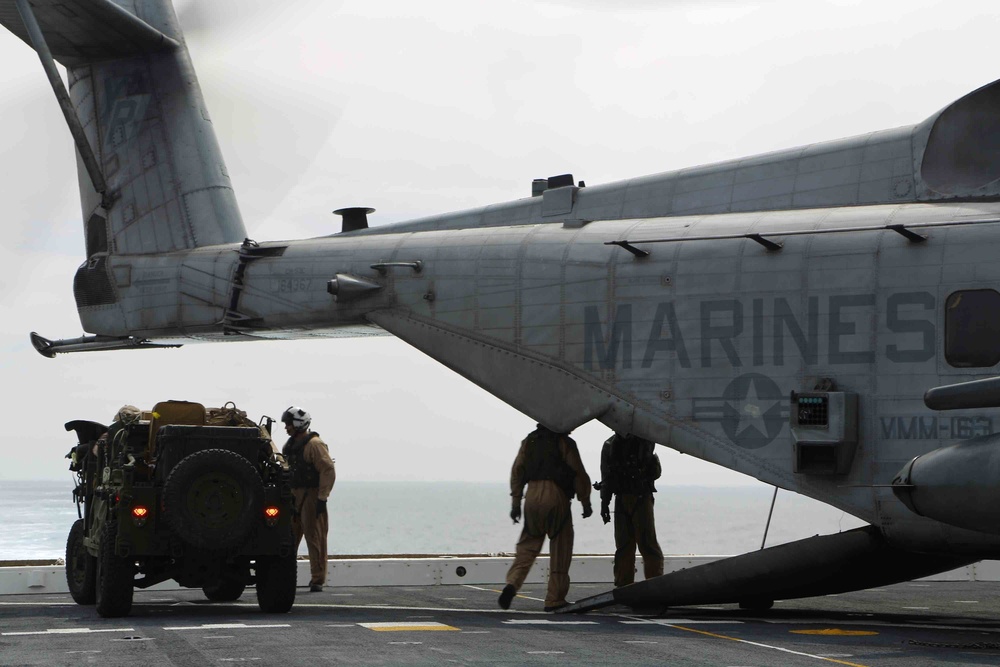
[184, 493]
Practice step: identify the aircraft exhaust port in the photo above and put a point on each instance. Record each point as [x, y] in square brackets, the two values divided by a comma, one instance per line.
[345, 287]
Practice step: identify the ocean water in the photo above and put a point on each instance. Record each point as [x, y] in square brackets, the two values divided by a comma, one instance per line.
[466, 518]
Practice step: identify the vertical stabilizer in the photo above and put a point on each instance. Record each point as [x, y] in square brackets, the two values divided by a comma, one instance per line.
[135, 95]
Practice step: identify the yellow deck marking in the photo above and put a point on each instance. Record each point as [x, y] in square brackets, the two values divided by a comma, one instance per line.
[746, 641]
[836, 632]
[426, 626]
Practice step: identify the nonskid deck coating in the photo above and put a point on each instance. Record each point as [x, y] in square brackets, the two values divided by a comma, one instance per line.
[954, 623]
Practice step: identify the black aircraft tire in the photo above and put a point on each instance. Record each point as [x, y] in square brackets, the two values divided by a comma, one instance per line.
[276, 583]
[212, 499]
[81, 567]
[115, 576]
[224, 590]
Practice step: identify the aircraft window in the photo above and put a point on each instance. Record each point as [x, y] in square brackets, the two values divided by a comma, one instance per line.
[972, 329]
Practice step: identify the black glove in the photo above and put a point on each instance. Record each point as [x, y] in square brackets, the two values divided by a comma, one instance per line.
[588, 510]
[320, 507]
[515, 510]
[606, 512]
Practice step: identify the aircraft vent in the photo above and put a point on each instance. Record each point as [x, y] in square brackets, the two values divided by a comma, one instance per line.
[962, 149]
[355, 217]
[559, 195]
[96, 235]
[560, 181]
[540, 185]
[825, 427]
[92, 285]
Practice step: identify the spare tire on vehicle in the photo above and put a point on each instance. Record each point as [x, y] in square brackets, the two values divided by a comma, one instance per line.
[212, 499]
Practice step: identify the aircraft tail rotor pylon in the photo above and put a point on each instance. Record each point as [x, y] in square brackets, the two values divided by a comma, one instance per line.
[152, 178]
[151, 174]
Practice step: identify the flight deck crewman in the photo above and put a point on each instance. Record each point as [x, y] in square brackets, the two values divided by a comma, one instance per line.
[312, 479]
[628, 468]
[550, 465]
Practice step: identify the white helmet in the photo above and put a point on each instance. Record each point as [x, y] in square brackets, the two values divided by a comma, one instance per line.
[297, 417]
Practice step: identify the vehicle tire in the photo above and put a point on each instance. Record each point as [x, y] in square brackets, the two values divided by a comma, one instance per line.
[212, 499]
[224, 590]
[276, 583]
[115, 576]
[81, 567]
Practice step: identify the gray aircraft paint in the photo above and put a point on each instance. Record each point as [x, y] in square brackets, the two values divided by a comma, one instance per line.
[696, 346]
[612, 346]
[668, 346]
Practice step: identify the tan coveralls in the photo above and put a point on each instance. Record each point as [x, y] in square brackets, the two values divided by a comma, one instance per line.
[547, 513]
[306, 523]
[635, 525]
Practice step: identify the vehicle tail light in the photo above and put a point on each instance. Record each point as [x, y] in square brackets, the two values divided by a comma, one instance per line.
[271, 514]
[139, 515]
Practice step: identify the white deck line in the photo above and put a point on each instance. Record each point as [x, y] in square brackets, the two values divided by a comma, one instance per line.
[440, 570]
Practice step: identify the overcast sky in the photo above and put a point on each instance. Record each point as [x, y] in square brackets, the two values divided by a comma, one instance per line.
[416, 108]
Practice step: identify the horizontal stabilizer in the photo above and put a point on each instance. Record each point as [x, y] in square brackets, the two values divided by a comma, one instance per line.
[821, 565]
[50, 348]
[81, 31]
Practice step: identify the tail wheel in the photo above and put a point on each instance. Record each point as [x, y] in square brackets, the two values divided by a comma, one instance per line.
[115, 576]
[81, 567]
[213, 498]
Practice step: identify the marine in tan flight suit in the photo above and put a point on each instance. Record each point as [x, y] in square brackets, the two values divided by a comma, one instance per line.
[628, 468]
[312, 478]
[550, 465]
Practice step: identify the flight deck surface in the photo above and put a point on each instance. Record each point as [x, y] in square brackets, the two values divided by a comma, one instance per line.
[917, 623]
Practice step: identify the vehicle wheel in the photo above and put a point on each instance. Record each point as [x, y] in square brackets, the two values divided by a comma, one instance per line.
[81, 567]
[212, 499]
[276, 583]
[115, 576]
[224, 590]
